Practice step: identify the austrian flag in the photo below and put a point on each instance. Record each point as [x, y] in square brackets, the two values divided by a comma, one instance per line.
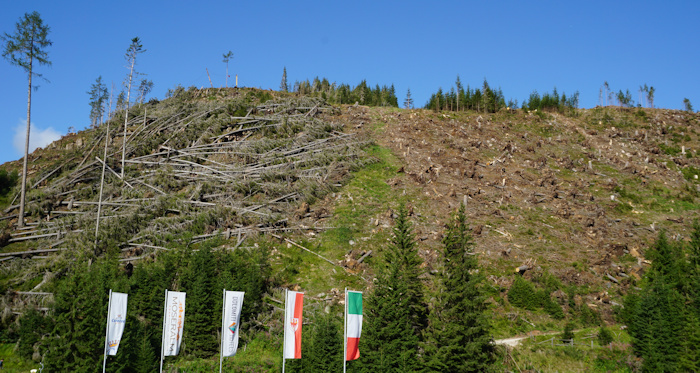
[353, 324]
[292, 325]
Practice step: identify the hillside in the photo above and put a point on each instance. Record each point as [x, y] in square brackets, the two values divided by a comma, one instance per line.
[573, 201]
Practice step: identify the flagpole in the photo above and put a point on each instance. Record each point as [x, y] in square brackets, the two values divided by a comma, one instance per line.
[162, 337]
[223, 325]
[345, 333]
[284, 327]
[109, 307]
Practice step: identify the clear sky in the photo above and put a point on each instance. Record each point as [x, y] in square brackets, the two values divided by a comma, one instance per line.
[519, 46]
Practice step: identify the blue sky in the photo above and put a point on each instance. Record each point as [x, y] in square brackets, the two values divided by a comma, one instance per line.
[519, 46]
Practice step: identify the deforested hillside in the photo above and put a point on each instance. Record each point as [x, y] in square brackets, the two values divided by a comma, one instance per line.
[270, 191]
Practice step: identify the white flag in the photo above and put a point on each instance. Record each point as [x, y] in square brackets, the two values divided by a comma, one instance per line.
[174, 323]
[233, 301]
[292, 325]
[116, 321]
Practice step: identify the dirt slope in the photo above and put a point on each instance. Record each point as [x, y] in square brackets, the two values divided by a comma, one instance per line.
[581, 197]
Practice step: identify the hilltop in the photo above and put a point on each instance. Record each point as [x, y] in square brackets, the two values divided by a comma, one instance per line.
[570, 202]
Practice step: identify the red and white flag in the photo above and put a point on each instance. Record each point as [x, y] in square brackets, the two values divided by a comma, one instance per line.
[292, 324]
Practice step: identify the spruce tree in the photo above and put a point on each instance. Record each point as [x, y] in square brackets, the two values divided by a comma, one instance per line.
[457, 339]
[200, 332]
[284, 86]
[395, 311]
[326, 352]
[27, 48]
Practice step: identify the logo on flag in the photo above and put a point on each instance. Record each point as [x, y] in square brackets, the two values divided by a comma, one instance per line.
[233, 302]
[293, 322]
[117, 321]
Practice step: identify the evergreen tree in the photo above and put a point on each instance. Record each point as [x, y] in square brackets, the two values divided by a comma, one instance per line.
[284, 87]
[145, 87]
[395, 311]
[605, 337]
[659, 318]
[457, 338]
[408, 102]
[98, 99]
[77, 342]
[32, 326]
[26, 48]
[325, 352]
[687, 105]
[200, 332]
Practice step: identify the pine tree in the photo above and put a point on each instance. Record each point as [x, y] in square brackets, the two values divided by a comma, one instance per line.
[457, 339]
[25, 49]
[98, 99]
[605, 337]
[659, 317]
[284, 87]
[687, 105]
[408, 102]
[326, 353]
[395, 312]
[200, 332]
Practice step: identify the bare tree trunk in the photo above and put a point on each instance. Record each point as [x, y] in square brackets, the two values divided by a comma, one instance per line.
[102, 183]
[20, 219]
[126, 115]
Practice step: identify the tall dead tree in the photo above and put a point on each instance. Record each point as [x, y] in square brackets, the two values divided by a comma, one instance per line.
[134, 49]
[227, 57]
[23, 49]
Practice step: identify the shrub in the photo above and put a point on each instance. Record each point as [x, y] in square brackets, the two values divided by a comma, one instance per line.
[605, 337]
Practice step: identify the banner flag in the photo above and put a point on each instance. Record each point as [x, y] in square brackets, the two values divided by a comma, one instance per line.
[292, 324]
[233, 302]
[353, 324]
[174, 323]
[116, 320]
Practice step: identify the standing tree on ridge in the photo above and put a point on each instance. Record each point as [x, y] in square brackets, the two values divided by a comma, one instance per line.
[284, 87]
[23, 49]
[408, 103]
[134, 49]
[98, 100]
[227, 57]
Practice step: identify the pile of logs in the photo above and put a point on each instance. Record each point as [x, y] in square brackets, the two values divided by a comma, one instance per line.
[198, 158]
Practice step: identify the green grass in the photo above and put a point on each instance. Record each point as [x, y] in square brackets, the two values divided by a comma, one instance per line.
[538, 354]
[366, 196]
[12, 362]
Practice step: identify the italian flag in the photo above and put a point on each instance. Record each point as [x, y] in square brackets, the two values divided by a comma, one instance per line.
[353, 324]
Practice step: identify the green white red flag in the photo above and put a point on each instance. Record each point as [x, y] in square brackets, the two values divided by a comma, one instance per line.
[353, 324]
[292, 324]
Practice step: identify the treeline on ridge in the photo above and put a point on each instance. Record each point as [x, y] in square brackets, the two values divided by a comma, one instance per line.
[490, 100]
[335, 93]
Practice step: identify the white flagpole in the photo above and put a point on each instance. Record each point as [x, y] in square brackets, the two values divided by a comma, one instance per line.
[109, 307]
[223, 325]
[345, 332]
[162, 337]
[284, 326]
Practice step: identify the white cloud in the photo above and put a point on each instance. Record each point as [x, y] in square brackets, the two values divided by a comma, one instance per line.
[38, 138]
